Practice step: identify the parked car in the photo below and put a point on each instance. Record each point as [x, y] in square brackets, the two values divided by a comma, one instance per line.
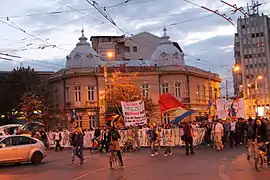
[21, 148]
[9, 129]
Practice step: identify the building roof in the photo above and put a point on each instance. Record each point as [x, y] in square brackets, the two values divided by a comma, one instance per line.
[83, 55]
[167, 53]
[92, 37]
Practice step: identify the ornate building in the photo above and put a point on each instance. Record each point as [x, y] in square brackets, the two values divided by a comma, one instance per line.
[80, 87]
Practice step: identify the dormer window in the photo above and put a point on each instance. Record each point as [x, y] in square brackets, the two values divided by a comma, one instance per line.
[90, 55]
[77, 56]
[163, 55]
[176, 54]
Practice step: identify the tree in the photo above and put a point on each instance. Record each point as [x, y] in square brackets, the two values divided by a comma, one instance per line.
[16, 84]
[123, 88]
[33, 107]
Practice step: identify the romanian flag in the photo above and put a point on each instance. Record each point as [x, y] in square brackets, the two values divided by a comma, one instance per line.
[168, 103]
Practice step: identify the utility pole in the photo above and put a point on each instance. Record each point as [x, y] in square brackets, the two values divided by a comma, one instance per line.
[210, 95]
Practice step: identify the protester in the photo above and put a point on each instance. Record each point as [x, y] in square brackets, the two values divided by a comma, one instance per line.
[167, 142]
[232, 133]
[105, 142]
[250, 143]
[187, 137]
[219, 132]
[79, 144]
[136, 137]
[72, 140]
[44, 138]
[153, 140]
[57, 139]
[114, 138]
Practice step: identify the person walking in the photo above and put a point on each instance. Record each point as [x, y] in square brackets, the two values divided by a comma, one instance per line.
[57, 139]
[153, 140]
[219, 132]
[136, 137]
[44, 138]
[72, 140]
[79, 144]
[105, 142]
[167, 142]
[250, 143]
[187, 137]
[232, 133]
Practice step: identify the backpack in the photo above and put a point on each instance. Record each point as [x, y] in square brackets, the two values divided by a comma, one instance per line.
[73, 139]
[250, 131]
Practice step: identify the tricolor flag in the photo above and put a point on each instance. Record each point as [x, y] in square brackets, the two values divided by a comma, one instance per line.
[169, 103]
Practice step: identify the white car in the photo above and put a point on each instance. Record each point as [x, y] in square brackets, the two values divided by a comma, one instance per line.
[9, 128]
[21, 148]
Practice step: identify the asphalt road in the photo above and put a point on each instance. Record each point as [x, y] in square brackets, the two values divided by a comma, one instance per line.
[231, 164]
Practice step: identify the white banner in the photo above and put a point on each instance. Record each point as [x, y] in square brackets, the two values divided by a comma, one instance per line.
[134, 113]
[230, 108]
[174, 135]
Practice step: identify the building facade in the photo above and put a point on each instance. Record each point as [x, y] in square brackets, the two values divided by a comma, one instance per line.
[252, 58]
[80, 87]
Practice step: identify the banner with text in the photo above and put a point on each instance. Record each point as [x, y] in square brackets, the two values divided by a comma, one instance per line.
[174, 136]
[134, 113]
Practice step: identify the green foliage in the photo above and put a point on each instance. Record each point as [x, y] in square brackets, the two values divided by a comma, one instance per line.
[16, 84]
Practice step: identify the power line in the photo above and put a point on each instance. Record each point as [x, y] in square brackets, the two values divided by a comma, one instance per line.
[224, 16]
[84, 15]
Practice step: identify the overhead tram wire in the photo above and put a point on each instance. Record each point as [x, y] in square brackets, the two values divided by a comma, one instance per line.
[20, 57]
[109, 7]
[133, 35]
[118, 27]
[20, 29]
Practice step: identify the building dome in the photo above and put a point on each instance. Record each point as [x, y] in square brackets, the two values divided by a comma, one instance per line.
[167, 54]
[83, 55]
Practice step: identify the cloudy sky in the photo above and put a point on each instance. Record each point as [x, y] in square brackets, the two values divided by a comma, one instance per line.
[32, 24]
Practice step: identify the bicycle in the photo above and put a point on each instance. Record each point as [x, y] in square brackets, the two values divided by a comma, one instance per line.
[261, 157]
[113, 158]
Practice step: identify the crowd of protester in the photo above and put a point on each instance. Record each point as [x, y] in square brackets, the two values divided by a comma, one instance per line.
[219, 134]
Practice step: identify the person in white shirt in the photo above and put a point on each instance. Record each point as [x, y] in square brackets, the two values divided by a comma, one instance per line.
[232, 132]
[219, 132]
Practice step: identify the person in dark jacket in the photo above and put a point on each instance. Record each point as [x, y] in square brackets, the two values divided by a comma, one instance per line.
[44, 138]
[188, 138]
[249, 133]
[260, 134]
[105, 142]
[79, 144]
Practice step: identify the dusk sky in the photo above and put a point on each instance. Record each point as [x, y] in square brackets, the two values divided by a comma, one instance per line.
[201, 34]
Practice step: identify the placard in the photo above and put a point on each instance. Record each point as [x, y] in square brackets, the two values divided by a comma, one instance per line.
[134, 113]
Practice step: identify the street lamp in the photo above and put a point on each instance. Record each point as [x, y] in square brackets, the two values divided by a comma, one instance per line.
[236, 68]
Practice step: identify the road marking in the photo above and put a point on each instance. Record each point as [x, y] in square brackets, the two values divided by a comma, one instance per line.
[221, 173]
[86, 174]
